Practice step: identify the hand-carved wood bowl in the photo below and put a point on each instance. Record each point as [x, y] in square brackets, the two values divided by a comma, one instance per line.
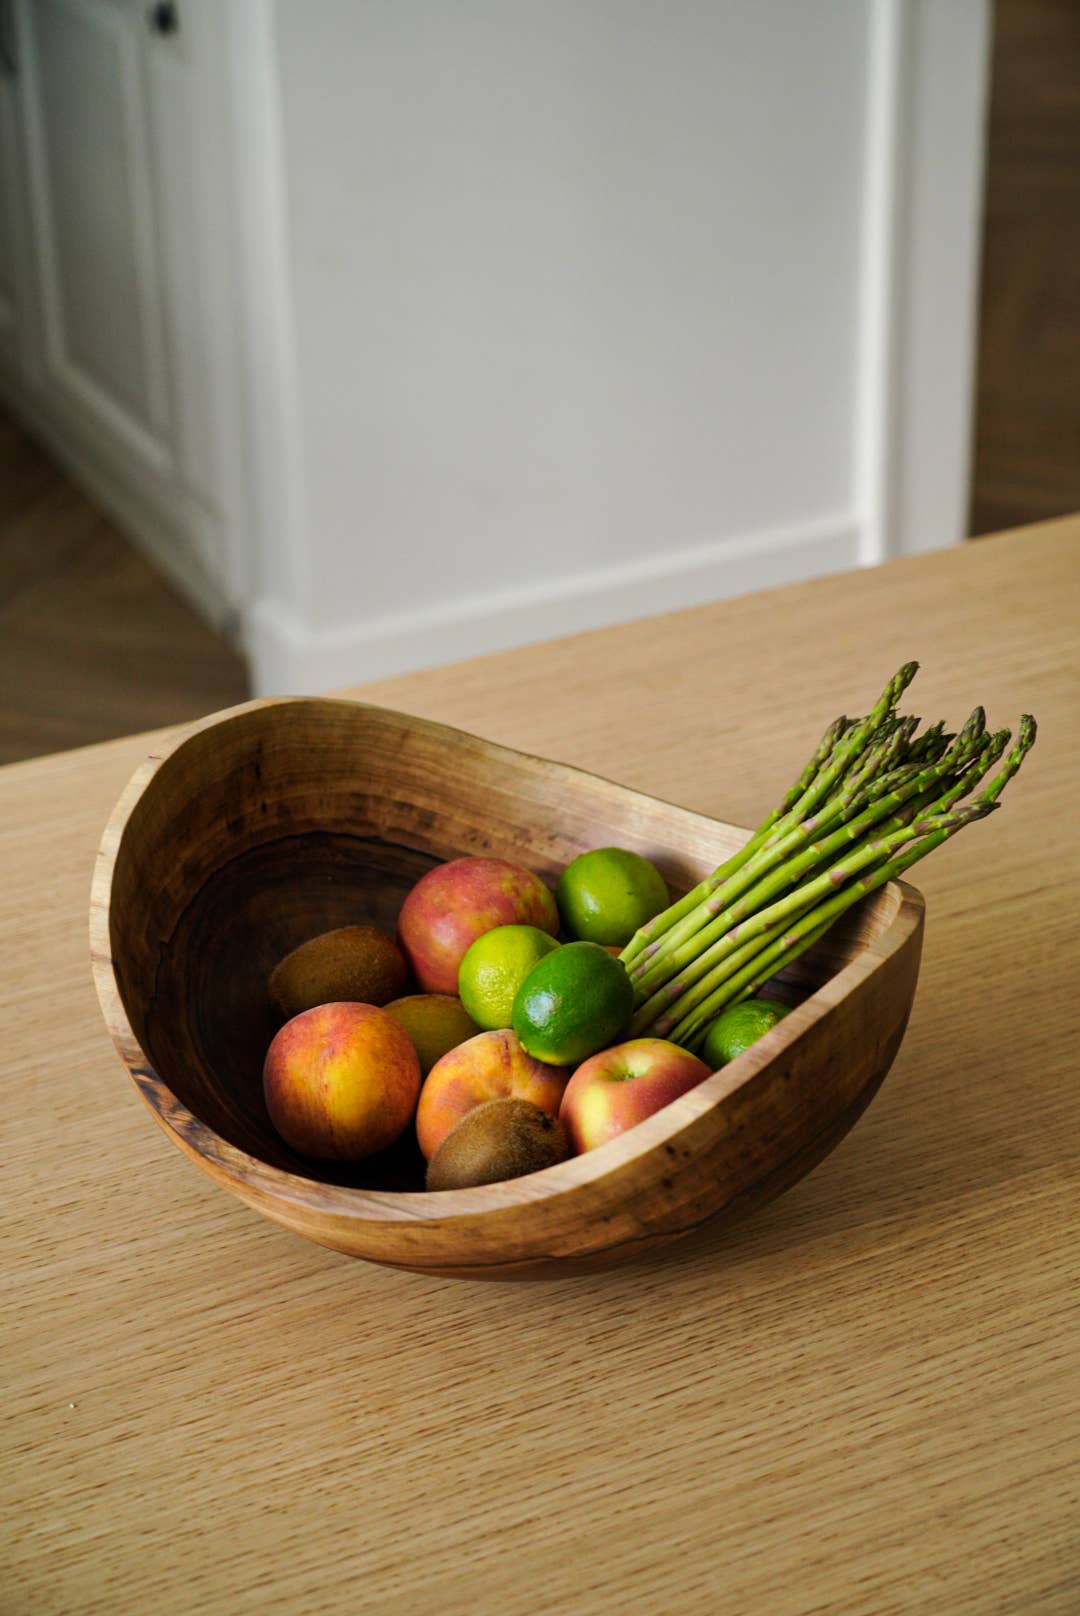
[253, 830]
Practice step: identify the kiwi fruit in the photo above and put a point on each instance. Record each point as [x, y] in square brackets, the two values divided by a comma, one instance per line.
[497, 1140]
[358, 963]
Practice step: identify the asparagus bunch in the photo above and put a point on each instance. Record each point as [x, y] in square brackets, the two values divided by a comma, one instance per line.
[873, 799]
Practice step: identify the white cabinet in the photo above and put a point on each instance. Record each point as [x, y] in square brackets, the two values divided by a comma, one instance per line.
[91, 185]
[114, 251]
[10, 190]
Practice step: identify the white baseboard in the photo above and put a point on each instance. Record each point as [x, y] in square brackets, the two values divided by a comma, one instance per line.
[288, 657]
[170, 538]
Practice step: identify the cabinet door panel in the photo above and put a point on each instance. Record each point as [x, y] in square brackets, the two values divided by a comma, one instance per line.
[93, 208]
[9, 182]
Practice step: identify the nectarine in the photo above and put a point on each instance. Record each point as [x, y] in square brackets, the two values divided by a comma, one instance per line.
[491, 1066]
[341, 1080]
[457, 902]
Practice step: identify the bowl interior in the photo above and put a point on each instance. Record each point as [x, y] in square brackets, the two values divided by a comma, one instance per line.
[213, 1019]
[257, 834]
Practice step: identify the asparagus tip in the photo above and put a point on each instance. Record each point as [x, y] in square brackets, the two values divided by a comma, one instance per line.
[956, 818]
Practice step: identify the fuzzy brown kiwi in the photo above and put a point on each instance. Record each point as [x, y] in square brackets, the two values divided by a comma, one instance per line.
[497, 1140]
[358, 963]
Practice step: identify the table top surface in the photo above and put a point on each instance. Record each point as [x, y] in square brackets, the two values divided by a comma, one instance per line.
[865, 1398]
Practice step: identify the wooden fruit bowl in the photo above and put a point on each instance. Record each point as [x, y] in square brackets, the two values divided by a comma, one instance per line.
[250, 831]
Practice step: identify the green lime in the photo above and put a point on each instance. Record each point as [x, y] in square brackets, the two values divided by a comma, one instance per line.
[606, 895]
[571, 1004]
[739, 1026]
[493, 969]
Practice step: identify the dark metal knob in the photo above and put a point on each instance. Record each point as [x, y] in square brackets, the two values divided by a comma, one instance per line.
[9, 62]
[164, 18]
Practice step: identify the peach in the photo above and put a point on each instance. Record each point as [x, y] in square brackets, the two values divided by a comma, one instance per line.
[457, 902]
[491, 1066]
[341, 1080]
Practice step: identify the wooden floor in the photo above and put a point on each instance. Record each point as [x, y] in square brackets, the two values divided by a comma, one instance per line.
[1027, 428]
[93, 643]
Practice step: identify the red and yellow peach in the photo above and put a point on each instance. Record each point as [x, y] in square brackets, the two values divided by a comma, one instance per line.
[491, 1066]
[341, 1081]
[457, 902]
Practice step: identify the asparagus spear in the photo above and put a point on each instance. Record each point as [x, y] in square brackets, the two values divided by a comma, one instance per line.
[645, 938]
[769, 846]
[989, 751]
[686, 990]
[689, 950]
[872, 799]
[814, 924]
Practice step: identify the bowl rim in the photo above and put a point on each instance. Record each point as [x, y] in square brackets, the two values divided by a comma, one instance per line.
[355, 1204]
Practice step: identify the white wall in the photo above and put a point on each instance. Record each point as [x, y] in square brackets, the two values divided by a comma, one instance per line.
[579, 309]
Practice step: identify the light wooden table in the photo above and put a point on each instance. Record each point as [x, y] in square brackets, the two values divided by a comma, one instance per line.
[866, 1399]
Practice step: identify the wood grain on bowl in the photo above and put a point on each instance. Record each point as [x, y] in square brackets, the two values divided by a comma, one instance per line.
[253, 830]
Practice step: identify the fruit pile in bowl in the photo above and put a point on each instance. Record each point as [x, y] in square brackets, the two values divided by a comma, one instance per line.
[300, 858]
[509, 1056]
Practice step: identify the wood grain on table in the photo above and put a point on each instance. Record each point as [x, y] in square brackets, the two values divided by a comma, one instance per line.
[866, 1399]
